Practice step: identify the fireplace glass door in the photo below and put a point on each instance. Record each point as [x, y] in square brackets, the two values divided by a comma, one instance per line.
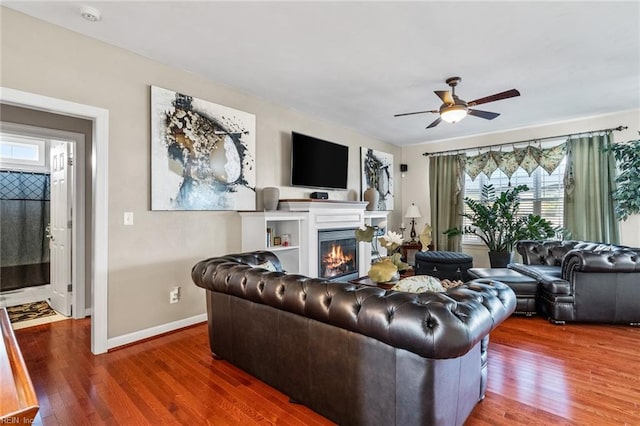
[338, 254]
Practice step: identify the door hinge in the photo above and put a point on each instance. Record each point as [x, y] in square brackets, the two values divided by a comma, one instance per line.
[69, 288]
[69, 224]
[70, 161]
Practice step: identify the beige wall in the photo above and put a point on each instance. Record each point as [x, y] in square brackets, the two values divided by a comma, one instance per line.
[418, 164]
[148, 259]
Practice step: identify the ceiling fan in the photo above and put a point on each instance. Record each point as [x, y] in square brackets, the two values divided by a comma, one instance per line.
[455, 109]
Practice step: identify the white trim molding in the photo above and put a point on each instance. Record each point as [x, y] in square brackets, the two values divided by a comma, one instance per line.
[136, 336]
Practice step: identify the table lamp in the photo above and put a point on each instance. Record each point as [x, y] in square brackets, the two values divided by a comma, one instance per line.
[412, 213]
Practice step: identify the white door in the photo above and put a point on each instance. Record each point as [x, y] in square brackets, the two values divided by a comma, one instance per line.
[60, 243]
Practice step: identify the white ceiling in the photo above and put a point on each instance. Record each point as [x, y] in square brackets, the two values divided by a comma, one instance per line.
[359, 63]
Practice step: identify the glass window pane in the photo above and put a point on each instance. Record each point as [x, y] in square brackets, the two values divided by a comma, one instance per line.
[22, 150]
[545, 196]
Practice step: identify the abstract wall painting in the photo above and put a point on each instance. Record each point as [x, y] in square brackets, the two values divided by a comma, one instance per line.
[202, 154]
[377, 173]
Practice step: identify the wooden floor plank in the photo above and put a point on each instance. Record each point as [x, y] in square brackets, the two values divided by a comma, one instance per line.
[539, 374]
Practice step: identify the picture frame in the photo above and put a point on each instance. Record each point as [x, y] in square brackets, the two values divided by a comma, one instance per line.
[377, 172]
[202, 154]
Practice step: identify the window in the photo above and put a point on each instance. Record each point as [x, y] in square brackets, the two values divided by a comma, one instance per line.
[544, 198]
[22, 150]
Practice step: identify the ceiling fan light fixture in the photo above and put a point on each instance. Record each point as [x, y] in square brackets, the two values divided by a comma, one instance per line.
[453, 113]
[454, 109]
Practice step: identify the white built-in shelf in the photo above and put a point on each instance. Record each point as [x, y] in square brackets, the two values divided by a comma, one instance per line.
[254, 235]
[282, 248]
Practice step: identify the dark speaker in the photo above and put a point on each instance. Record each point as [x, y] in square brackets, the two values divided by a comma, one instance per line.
[404, 167]
[320, 195]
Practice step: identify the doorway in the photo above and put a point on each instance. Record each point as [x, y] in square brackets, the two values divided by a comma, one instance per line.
[50, 164]
[99, 199]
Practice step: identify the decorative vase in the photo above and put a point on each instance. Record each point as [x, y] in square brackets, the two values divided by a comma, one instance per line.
[270, 198]
[372, 196]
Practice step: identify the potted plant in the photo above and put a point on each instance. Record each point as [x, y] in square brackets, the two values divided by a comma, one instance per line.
[495, 220]
[627, 193]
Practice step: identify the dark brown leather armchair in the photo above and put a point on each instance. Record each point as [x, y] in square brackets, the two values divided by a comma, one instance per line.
[357, 355]
[584, 281]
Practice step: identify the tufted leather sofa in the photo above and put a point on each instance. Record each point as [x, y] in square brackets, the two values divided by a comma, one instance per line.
[357, 355]
[584, 281]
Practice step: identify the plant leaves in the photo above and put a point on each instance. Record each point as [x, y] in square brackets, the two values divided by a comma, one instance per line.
[497, 223]
[365, 235]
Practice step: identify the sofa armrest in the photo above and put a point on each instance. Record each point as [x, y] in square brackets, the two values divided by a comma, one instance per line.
[252, 259]
[549, 277]
[623, 261]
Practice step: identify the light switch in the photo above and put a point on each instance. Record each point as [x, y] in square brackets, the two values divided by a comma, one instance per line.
[128, 218]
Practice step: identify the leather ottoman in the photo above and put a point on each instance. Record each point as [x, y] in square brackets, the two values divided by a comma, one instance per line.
[525, 287]
[449, 265]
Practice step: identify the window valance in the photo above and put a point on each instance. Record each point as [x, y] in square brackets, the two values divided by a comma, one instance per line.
[529, 158]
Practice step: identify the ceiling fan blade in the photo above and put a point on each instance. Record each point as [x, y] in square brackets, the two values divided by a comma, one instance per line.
[417, 112]
[487, 115]
[435, 123]
[445, 95]
[498, 96]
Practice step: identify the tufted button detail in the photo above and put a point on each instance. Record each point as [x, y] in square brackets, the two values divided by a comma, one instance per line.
[243, 282]
[327, 302]
[429, 322]
[261, 286]
[610, 259]
[280, 290]
[390, 314]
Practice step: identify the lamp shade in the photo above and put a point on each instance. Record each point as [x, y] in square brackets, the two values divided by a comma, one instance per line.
[413, 211]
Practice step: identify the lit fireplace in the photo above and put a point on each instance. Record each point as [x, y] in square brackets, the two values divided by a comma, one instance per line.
[336, 263]
[338, 253]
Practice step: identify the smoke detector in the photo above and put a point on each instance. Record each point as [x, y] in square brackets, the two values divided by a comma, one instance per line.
[91, 14]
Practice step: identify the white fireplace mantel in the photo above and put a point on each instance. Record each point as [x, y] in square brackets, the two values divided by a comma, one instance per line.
[312, 216]
[323, 215]
[306, 205]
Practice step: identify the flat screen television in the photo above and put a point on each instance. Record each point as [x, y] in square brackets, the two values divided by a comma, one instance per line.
[316, 163]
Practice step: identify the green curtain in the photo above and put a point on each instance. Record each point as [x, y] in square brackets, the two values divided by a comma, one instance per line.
[446, 189]
[589, 209]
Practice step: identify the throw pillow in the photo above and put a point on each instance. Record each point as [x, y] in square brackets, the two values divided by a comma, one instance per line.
[447, 284]
[268, 265]
[419, 284]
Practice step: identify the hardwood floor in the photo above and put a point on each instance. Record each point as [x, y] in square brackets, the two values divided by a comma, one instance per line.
[539, 374]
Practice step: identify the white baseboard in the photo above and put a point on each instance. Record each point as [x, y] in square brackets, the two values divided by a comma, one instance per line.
[126, 339]
[88, 312]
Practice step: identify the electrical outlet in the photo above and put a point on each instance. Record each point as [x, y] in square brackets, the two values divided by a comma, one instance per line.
[174, 295]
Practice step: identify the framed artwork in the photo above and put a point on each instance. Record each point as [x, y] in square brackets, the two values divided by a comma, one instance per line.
[377, 173]
[202, 154]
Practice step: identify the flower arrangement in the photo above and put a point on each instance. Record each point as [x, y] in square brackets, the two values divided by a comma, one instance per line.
[385, 268]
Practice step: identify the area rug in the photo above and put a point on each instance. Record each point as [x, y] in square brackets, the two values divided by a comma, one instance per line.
[30, 311]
